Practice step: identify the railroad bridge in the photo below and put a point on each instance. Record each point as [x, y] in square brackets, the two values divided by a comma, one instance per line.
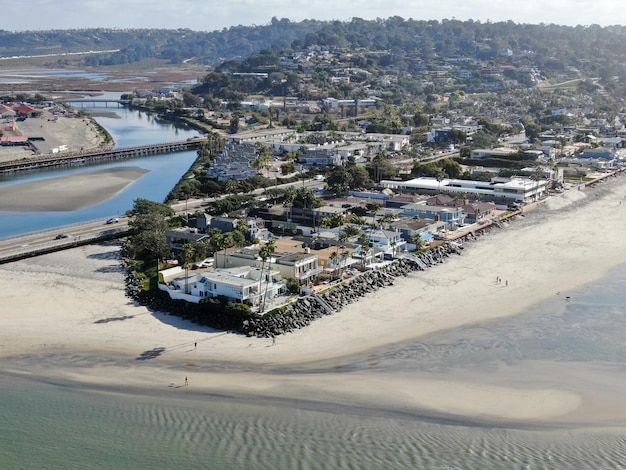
[77, 158]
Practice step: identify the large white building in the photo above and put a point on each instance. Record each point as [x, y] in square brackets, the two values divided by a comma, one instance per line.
[499, 189]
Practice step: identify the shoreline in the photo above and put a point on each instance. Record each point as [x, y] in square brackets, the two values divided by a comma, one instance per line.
[83, 329]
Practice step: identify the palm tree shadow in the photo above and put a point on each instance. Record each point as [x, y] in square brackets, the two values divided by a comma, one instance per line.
[151, 354]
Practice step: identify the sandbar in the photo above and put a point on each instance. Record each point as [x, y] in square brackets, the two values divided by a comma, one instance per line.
[68, 193]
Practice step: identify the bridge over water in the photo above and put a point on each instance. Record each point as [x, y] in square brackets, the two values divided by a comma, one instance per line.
[78, 158]
[94, 102]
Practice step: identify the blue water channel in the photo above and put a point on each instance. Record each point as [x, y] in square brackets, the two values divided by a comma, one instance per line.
[128, 128]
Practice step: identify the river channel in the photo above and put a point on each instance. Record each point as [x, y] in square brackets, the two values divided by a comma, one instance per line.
[128, 128]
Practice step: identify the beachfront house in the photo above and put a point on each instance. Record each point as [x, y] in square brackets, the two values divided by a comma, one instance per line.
[409, 227]
[451, 216]
[244, 284]
[388, 241]
[475, 211]
[301, 265]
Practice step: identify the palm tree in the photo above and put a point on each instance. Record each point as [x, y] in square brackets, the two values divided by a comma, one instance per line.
[388, 218]
[358, 220]
[343, 256]
[187, 256]
[333, 258]
[441, 175]
[261, 162]
[365, 246]
[230, 186]
[242, 226]
[326, 222]
[288, 199]
[263, 254]
[266, 254]
[418, 242]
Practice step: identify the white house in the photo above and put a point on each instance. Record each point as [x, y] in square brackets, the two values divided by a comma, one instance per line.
[242, 284]
[388, 241]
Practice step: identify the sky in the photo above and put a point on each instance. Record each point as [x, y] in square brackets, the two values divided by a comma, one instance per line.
[210, 15]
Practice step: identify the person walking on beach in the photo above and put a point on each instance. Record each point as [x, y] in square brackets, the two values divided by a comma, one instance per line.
[186, 381]
[195, 345]
[273, 340]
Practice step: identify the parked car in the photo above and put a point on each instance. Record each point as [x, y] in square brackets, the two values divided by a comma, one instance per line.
[61, 236]
[114, 220]
[207, 263]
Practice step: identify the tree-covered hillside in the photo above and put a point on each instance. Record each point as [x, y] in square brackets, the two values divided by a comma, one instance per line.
[400, 60]
[175, 45]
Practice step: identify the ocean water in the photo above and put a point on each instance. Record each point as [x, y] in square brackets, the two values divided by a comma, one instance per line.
[578, 344]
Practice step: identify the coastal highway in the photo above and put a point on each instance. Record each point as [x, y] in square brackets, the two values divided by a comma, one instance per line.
[47, 241]
[69, 236]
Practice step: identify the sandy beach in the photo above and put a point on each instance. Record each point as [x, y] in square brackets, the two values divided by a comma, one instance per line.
[68, 193]
[65, 316]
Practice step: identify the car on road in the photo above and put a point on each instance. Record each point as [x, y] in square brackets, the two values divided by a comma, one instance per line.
[61, 236]
[113, 220]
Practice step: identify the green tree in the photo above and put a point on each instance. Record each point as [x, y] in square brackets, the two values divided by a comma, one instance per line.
[233, 127]
[242, 226]
[339, 180]
[418, 242]
[457, 136]
[149, 223]
[231, 186]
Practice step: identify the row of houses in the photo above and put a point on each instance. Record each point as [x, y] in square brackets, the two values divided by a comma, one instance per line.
[241, 274]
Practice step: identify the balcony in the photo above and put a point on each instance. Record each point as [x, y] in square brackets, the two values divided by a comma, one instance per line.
[309, 273]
